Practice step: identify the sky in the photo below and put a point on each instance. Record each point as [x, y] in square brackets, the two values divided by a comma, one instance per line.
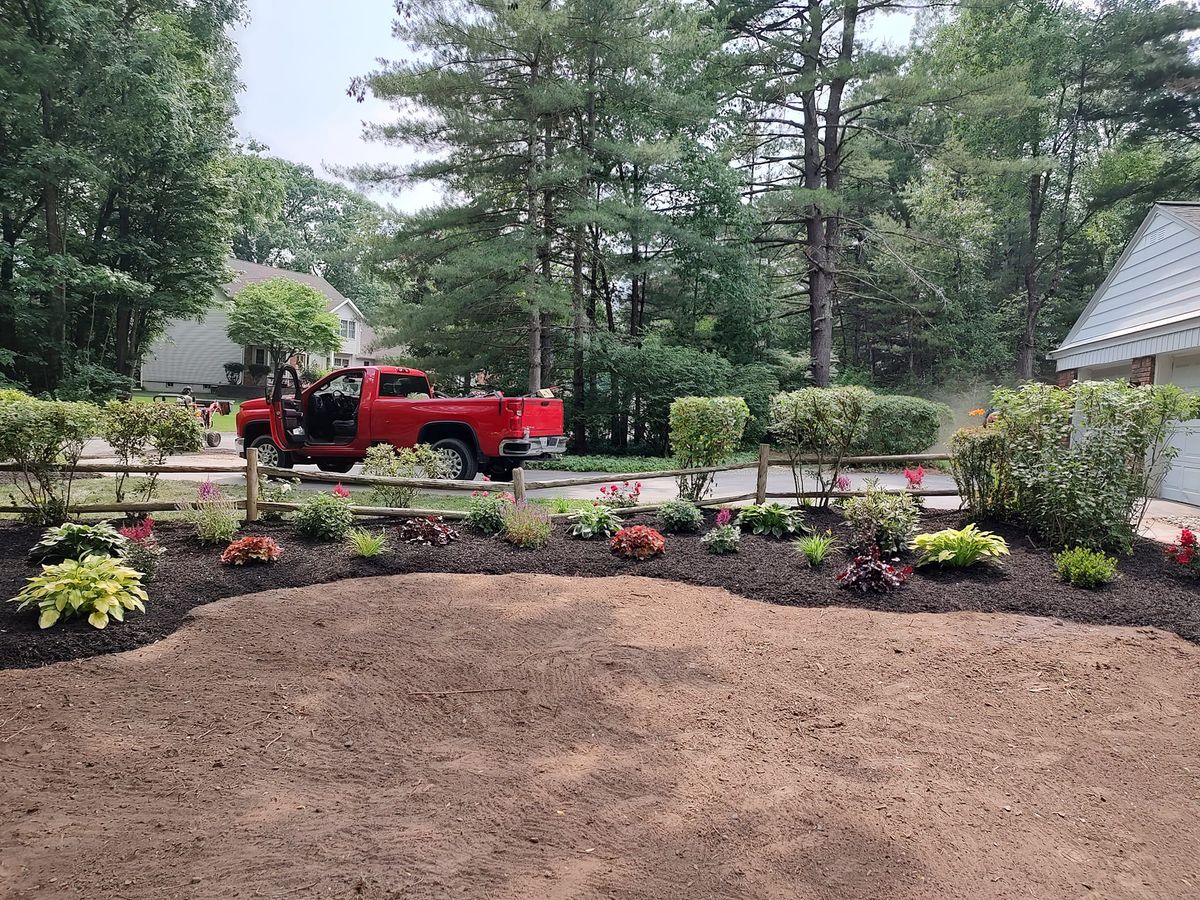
[298, 57]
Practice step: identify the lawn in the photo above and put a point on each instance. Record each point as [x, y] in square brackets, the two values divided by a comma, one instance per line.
[226, 423]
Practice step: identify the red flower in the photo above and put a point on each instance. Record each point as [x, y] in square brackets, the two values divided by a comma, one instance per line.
[339, 491]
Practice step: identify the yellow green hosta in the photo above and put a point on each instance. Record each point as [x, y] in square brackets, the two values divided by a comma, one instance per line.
[99, 587]
[959, 547]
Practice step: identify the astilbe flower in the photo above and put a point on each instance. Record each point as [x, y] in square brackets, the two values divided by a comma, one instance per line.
[843, 483]
[209, 491]
[724, 517]
[915, 476]
[140, 532]
[1185, 552]
[340, 492]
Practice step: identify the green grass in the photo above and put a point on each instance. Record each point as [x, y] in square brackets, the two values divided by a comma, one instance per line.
[620, 464]
[225, 423]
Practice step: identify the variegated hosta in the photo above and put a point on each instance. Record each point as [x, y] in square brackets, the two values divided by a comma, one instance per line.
[99, 587]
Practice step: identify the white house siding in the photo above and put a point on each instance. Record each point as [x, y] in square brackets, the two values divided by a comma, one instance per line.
[192, 352]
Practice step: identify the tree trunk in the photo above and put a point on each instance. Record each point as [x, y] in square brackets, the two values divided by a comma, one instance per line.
[1027, 343]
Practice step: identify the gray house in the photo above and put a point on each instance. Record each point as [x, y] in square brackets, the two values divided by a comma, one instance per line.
[194, 351]
[1143, 324]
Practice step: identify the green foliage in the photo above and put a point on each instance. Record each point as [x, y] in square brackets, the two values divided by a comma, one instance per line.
[959, 548]
[275, 490]
[251, 549]
[73, 540]
[722, 539]
[385, 460]
[977, 461]
[896, 424]
[680, 516]
[144, 556]
[325, 517]
[99, 587]
[91, 383]
[284, 316]
[148, 433]
[1085, 568]
[638, 542]
[486, 510]
[365, 543]
[881, 518]
[1082, 462]
[820, 424]
[38, 436]
[526, 526]
[594, 521]
[773, 519]
[705, 431]
[816, 547]
[620, 464]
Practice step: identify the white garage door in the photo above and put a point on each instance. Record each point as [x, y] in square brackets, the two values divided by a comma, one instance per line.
[1182, 482]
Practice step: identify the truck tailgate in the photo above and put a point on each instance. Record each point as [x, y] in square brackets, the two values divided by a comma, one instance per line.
[543, 418]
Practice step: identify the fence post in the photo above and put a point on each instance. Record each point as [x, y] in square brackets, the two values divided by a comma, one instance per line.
[251, 484]
[518, 480]
[764, 463]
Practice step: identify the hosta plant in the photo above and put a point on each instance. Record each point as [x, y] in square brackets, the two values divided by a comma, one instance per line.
[883, 519]
[594, 522]
[99, 587]
[959, 548]
[325, 517]
[816, 547]
[1085, 568]
[526, 526]
[870, 573]
[680, 516]
[430, 531]
[251, 549]
[773, 519]
[75, 541]
[638, 542]
[366, 543]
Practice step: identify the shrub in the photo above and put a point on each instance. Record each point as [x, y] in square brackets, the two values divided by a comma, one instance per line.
[214, 516]
[75, 541]
[883, 519]
[896, 424]
[722, 539]
[275, 490]
[144, 554]
[148, 433]
[92, 383]
[1184, 551]
[621, 496]
[432, 531]
[594, 521]
[870, 573]
[251, 549]
[526, 526]
[384, 460]
[638, 542]
[1082, 462]
[816, 547]
[680, 516]
[485, 511]
[365, 543]
[959, 548]
[38, 436]
[705, 431]
[1085, 568]
[821, 423]
[772, 519]
[977, 464]
[99, 587]
[325, 517]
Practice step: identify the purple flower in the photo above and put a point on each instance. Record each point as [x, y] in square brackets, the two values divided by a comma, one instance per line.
[724, 516]
[209, 491]
[843, 483]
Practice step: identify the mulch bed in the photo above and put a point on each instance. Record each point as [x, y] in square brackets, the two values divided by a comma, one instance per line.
[1150, 592]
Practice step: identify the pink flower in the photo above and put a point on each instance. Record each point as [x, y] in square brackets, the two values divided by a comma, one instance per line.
[339, 491]
[915, 476]
[724, 516]
[209, 491]
[843, 483]
[141, 532]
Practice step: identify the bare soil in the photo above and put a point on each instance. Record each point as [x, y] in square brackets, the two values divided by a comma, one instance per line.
[501, 737]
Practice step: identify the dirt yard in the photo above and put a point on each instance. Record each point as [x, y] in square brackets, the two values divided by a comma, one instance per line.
[522, 737]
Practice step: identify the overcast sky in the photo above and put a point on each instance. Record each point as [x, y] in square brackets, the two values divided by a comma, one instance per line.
[298, 57]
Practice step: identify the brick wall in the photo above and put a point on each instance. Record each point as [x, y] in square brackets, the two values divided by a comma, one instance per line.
[1141, 370]
[1067, 377]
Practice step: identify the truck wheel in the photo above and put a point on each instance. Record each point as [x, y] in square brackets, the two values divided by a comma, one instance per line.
[269, 454]
[340, 466]
[459, 456]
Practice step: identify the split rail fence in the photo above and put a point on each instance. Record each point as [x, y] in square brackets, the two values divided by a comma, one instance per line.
[254, 506]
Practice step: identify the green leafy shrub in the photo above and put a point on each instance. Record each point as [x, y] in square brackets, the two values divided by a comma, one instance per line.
[92, 383]
[365, 543]
[638, 542]
[816, 548]
[73, 540]
[526, 526]
[148, 433]
[384, 460]
[251, 549]
[896, 424]
[275, 490]
[680, 516]
[773, 519]
[722, 539]
[977, 462]
[485, 511]
[431, 531]
[1085, 568]
[705, 431]
[593, 522]
[819, 426]
[883, 519]
[99, 587]
[325, 517]
[215, 517]
[959, 548]
[39, 436]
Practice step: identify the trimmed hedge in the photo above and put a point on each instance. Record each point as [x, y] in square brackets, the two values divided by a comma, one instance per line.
[897, 424]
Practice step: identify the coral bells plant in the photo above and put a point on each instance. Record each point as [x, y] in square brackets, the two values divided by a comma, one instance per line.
[250, 550]
[621, 496]
[870, 573]
[1187, 551]
[915, 477]
[430, 531]
[638, 542]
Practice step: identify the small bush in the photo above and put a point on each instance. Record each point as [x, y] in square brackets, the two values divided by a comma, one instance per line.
[869, 573]
[722, 539]
[959, 548]
[821, 424]
[526, 526]
[593, 522]
[1085, 568]
[485, 511]
[251, 549]
[705, 431]
[148, 433]
[215, 517]
[325, 517]
[365, 543]
[99, 587]
[680, 516]
[772, 519]
[816, 547]
[38, 436]
[143, 551]
[883, 519]
[421, 461]
[896, 424]
[431, 531]
[621, 496]
[977, 464]
[75, 541]
[638, 542]
[275, 490]
[1185, 551]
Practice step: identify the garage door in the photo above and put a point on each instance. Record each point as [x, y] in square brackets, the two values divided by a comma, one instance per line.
[1182, 482]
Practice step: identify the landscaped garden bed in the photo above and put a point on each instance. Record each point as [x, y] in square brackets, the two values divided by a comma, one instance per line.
[1151, 590]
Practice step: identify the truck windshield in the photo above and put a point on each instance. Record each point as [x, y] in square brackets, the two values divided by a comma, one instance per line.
[394, 385]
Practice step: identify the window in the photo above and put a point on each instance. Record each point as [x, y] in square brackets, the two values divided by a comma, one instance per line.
[341, 362]
[402, 385]
[348, 328]
[260, 356]
[349, 384]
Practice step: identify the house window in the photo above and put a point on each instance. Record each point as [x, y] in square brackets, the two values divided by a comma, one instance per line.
[341, 362]
[260, 356]
[348, 328]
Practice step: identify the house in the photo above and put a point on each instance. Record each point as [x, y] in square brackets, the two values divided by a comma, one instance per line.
[195, 351]
[1143, 324]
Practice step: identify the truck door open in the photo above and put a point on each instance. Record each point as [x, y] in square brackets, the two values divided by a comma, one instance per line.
[286, 402]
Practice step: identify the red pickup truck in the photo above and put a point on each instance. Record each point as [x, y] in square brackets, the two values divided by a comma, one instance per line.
[333, 422]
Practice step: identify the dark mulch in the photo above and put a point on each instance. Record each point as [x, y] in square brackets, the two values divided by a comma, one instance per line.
[1151, 591]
